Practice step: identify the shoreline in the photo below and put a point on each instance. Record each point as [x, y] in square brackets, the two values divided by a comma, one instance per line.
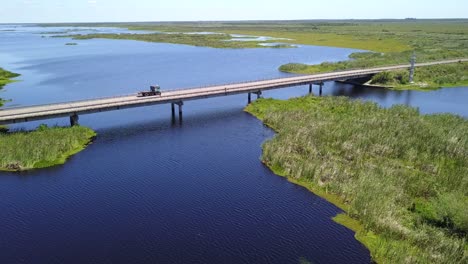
[365, 238]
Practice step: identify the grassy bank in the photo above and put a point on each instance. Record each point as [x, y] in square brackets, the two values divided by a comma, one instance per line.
[430, 77]
[202, 40]
[403, 175]
[44, 147]
[5, 78]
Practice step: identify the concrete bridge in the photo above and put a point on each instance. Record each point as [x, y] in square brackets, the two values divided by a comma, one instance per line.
[177, 97]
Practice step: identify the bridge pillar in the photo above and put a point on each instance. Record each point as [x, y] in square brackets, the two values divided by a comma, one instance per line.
[249, 98]
[74, 120]
[180, 104]
[321, 86]
[259, 94]
[310, 88]
[172, 111]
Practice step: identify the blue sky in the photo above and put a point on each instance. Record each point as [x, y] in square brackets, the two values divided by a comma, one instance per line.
[16, 11]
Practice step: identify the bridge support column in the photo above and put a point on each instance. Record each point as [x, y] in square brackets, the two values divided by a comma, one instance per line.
[310, 88]
[74, 120]
[321, 86]
[172, 111]
[180, 104]
[259, 94]
[249, 98]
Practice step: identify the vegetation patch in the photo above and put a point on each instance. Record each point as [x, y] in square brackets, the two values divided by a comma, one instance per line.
[6, 78]
[401, 175]
[202, 40]
[44, 147]
[425, 78]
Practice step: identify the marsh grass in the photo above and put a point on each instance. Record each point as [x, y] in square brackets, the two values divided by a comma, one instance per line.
[429, 77]
[5, 78]
[402, 175]
[44, 147]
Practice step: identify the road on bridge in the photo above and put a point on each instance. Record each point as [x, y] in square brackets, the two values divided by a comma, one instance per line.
[75, 108]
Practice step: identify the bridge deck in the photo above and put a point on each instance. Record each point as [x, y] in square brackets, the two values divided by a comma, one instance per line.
[39, 112]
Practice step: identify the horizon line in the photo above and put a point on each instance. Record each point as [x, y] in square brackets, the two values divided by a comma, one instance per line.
[243, 20]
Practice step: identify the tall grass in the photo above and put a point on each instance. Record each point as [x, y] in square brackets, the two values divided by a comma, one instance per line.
[403, 175]
[41, 148]
[429, 76]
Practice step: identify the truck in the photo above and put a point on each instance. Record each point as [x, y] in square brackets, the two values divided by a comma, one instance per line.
[154, 90]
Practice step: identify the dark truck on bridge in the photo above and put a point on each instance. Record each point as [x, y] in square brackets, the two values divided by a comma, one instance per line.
[154, 90]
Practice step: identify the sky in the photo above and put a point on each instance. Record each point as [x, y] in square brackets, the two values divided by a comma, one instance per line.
[40, 11]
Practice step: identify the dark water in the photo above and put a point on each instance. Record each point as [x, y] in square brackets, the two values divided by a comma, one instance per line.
[147, 191]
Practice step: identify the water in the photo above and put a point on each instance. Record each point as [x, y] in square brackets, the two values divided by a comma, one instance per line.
[148, 191]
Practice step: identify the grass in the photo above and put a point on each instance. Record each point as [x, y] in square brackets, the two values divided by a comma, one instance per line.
[5, 78]
[44, 147]
[426, 78]
[202, 40]
[402, 177]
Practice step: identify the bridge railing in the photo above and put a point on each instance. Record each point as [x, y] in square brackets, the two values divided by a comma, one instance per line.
[279, 79]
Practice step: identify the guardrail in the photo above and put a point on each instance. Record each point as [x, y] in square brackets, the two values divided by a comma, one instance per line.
[174, 95]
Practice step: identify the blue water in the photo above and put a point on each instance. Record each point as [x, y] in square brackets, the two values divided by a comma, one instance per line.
[149, 191]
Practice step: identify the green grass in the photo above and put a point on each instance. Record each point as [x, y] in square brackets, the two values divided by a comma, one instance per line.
[202, 40]
[5, 78]
[44, 147]
[402, 175]
[425, 78]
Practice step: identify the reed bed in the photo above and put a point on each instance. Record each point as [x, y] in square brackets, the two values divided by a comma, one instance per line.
[44, 147]
[402, 175]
